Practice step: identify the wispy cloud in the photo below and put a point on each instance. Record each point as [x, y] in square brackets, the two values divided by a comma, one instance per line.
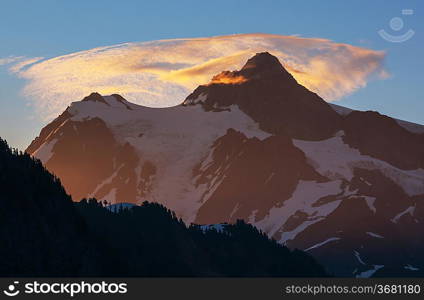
[10, 60]
[23, 63]
[161, 73]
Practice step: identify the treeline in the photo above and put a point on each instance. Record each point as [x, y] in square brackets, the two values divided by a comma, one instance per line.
[41, 232]
[44, 233]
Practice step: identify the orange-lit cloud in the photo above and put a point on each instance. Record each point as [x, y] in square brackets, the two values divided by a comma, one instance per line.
[227, 77]
[162, 73]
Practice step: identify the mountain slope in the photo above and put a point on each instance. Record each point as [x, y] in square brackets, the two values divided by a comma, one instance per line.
[254, 145]
[45, 234]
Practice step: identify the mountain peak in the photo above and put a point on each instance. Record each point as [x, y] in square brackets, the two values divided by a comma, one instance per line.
[114, 100]
[264, 65]
[95, 97]
[262, 59]
[266, 92]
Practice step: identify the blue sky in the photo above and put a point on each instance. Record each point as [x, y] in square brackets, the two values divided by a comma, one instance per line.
[54, 28]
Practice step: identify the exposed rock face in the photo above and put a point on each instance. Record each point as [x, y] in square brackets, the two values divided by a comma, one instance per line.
[250, 173]
[346, 186]
[368, 228]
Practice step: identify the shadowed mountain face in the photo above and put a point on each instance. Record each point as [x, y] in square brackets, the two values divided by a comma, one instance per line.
[381, 137]
[254, 144]
[90, 144]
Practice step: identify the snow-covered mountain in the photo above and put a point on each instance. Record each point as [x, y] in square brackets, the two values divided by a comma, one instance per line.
[346, 186]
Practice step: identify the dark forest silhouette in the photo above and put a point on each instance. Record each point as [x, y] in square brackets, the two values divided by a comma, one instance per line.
[44, 233]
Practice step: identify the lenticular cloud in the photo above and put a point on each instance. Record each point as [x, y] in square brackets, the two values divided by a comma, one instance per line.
[162, 73]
